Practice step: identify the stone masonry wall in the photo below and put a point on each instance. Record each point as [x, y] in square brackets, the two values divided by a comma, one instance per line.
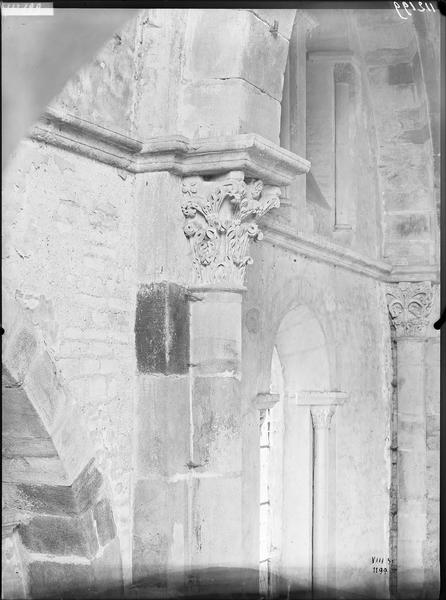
[68, 260]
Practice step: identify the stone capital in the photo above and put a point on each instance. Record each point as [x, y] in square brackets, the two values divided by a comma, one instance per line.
[321, 416]
[221, 219]
[410, 305]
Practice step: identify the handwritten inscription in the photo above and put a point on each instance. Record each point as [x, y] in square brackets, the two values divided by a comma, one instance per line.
[381, 565]
[412, 6]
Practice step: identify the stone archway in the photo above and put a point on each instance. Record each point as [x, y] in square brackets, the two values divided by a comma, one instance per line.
[58, 530]
[301, 354]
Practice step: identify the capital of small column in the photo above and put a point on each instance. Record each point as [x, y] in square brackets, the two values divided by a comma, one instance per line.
[321, 416]
[410, 306]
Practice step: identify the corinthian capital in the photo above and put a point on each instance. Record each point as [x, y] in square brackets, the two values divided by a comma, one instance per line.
[221, 219]
[409, 305]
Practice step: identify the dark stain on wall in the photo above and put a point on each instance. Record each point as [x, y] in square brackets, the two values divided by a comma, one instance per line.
[162, 329]
[400, 74]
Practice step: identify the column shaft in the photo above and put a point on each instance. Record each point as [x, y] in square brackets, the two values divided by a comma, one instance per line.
[321, 423]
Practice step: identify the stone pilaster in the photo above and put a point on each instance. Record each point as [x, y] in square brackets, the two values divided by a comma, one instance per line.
[222, 218]
[410, 306]
[188, 471]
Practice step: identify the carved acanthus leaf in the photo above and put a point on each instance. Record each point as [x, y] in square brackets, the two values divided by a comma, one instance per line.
[409, 305]
[221, 219]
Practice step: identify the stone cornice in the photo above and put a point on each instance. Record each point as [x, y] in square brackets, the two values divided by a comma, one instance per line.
[257, 157]
[250, 153]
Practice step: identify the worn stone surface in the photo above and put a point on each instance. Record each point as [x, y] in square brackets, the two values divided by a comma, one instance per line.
[60, 580]
[216, 415]
[105, 524]
[160, 527]
[52, 500]
[163, 415]
[246, 35]
[57, 536]
[107, 570]
[87, 486]
[206, 113]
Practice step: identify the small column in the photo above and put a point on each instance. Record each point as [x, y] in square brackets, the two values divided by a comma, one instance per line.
[321, 418]
[410, 305]
[322, 407]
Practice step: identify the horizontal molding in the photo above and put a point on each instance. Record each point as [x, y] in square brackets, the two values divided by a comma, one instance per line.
[332, 56]
[415, 273]
[250, 153]
[254, 155]
[321, 250]
[317, 398]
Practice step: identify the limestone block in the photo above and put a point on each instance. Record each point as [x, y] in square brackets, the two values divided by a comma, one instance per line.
[412, 524]
[412, 475]
[47, 499]
[216, 501]
[216, 335]
[20, 353]
[162, 329]
[236, 44]
[419, 199]
[284, 16]
[72, 443]
[158, 505]
[403, 253]
[45, 390]
[108, 570]
[63, 580]
[86, 487]
[400, 74]
[163, 249]
[163, 425]
[412, 226]
[105, 524]
[13, 584]
[58, 536]
[217, 421]
[207, 112]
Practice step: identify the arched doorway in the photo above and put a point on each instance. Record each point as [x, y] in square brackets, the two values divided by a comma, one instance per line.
[298, 462]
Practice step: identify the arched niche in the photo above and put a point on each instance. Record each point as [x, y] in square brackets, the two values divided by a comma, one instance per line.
[301, 479]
